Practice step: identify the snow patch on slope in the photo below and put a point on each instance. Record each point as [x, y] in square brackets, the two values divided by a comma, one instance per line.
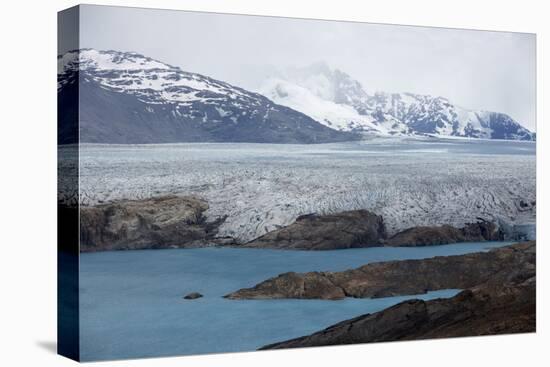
[133, 73]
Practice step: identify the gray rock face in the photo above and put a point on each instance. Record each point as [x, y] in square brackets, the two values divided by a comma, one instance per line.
[396, 278]
[162, 222]
[357, 228]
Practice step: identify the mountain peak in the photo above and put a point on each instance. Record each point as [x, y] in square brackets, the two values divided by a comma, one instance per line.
[91, 59]
[316, 93]
[335, 99]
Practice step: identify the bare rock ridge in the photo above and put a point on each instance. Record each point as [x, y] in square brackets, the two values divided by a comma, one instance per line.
[162, 222]
[361, 228]
[484, 310]
[393, 278]
[503, 304]
[356, 228]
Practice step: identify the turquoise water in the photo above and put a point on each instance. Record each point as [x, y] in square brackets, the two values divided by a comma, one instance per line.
[131, 302]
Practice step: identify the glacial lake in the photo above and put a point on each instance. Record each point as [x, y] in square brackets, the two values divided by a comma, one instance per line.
[131, 301]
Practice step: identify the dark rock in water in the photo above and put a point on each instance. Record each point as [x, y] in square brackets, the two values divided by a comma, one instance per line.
[193, 295]
[439, 235]
[503, 303]
[162, 222]
[356, 228]
[396, 278]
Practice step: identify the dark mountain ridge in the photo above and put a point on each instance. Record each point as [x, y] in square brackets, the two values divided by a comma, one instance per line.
[127, 98]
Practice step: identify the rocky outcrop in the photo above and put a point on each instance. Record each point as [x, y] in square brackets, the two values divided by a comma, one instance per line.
[488, 309]
[356, 228]
[439, 235]
[361, 228]
[162, 222]
[175, 221]
[394, 278]
[504, 303]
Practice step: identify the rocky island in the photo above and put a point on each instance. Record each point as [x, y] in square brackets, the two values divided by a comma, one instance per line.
[193, 295]
[396, 278]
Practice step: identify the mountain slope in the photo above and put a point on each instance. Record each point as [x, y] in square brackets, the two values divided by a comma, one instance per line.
[130, 98]
[338, 101]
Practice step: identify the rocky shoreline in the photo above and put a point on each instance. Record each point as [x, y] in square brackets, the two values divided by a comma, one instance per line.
[498, 285]
[356, 228]
[397, 278]
[502, 303]
[180, 222]
[484, 310]
[361, 228]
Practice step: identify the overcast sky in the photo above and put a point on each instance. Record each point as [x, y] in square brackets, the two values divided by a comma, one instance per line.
[493, 71]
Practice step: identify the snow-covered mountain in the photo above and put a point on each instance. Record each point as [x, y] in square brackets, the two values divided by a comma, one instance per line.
[336, 100]
[126, 97]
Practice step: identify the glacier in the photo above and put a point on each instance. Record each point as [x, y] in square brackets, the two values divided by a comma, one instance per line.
[261, 187]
